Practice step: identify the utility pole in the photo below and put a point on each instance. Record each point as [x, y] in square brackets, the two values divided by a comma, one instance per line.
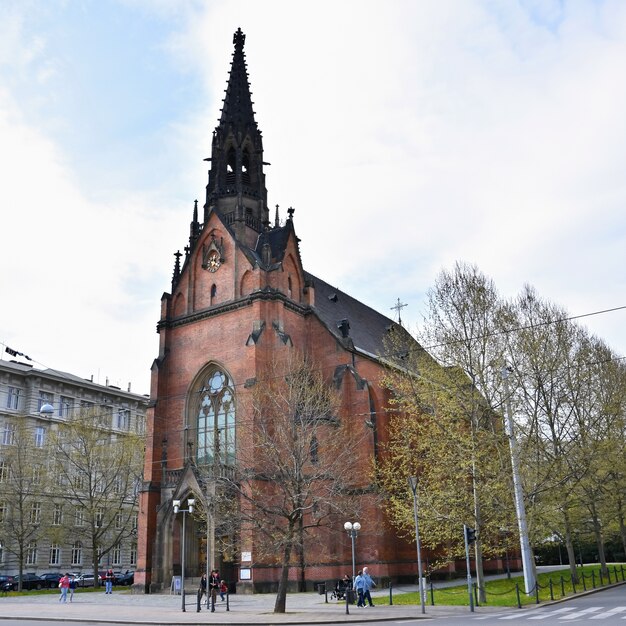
[520, 509]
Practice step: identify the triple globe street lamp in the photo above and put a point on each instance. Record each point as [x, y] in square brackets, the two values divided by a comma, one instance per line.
[176, 504]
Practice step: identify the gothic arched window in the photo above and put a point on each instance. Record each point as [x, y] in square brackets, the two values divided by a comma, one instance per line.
[216, 419]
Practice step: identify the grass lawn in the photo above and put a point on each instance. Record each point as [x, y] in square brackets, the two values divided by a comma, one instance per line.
[502, 592]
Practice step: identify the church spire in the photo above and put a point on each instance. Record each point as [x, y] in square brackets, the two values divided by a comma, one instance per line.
[236, 179]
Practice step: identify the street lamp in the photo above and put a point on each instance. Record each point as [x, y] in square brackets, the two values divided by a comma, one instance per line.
[190, 504]
[413, 485]
[353, 531]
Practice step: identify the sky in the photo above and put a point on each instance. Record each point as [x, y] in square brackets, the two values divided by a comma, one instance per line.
[406, 135]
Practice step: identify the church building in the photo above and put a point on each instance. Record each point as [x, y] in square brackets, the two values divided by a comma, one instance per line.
[239, 297]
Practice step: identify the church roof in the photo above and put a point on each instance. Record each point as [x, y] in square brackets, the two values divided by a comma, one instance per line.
[367, 327]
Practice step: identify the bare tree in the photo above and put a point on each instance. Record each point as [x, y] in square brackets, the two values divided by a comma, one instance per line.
[23, 489]
[294, 468]
[98, 471]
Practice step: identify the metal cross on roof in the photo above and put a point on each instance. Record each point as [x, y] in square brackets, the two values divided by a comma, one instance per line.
[398, 306]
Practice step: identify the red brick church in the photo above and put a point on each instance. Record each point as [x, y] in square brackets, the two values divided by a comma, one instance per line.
[239, 296]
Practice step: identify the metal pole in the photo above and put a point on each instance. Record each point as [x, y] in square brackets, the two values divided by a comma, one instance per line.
[469, 571]
[527, 565]
[413, 485]
[353, 557]
[182, 562]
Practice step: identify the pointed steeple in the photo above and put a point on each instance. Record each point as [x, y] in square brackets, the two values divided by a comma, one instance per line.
[236, 179]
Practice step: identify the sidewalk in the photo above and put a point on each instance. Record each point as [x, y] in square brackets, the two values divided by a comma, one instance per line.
[125, 608]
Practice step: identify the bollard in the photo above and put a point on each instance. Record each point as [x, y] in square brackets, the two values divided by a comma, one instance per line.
[608, 571]
[390, 594]
[228, 600]
[584, 584]
[476, 594]
[199, 600]
[347, 602]
[601, 579]
[562, 587]
[536, 592]
[432, 594]
[551, 591]
[183, 599]
[519, 600]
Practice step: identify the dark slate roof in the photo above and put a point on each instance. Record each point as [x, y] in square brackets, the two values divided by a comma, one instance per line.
[367, 326]
[277, 238]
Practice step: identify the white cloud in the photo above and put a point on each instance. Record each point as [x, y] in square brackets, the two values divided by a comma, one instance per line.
[406, 135]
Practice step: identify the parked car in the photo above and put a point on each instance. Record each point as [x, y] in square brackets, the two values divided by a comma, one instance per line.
[52, 579]
[29, 581]
[5, 579]
[86, 580]
[126, 578]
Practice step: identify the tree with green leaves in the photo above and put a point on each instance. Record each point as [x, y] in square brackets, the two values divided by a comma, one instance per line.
[443, 432]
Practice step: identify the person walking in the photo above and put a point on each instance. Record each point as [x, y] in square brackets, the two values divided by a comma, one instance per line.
[368, 584]
[359, 587]
[214, 585]
[223, 590]
[108, 581]
[73, 585]
[202, 589]
[64, 585]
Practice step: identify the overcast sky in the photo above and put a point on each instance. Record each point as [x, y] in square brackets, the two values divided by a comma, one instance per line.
[406, 135]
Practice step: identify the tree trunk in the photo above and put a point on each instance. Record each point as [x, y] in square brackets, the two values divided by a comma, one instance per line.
[281, 596]
[597, 531]
[569, 544]
[622, 523]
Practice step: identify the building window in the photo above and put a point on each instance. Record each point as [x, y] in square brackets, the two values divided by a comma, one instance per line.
[122, 419]
[66, 406]
[140, 424]
[99, 517]
[3, 511]
[57, 515]
[1, 552]
[37, 473]
[55, 554]
[117, 555]
[134, 522]
[119, 520]
[8, 434]
[133, 554]
[314, 450]
[13, 399]
[4, 471]
[31, 554]
[79, 517]
[215, 419]
[35, 513]
[77, 553]
[44, 398]
[40, 436]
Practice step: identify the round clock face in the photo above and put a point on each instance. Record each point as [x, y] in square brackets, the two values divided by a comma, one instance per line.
[213, 261]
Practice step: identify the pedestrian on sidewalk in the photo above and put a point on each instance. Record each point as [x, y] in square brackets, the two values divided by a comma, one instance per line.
[223, 590]
[368, 584]
[73, 585]
[214, 585]
[359, 586]
[108, 581]
[202, 589]
[64, 585]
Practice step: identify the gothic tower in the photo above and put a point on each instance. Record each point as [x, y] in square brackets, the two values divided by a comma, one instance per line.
[240, 299]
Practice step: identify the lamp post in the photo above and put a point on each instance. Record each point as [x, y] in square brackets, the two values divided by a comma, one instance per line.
[190, 504]
[527, 560]
[353, 530]
[413, 485]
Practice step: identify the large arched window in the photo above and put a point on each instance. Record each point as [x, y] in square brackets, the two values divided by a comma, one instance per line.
[216, 419]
